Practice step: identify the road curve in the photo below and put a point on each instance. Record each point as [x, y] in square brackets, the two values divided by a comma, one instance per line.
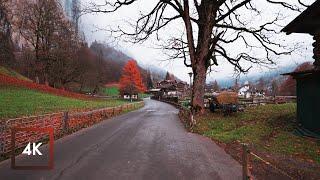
[150, 143]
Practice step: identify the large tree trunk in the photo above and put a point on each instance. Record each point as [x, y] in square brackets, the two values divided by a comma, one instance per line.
[200, 55]
[199, 81]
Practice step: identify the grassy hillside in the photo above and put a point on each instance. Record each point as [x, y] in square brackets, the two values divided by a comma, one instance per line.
[9, 81]
[12, 73]
[17, 102]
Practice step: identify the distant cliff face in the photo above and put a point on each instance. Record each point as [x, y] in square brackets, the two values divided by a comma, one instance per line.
[70, 7]
[71, 10]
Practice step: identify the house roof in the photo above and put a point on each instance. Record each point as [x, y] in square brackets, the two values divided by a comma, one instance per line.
[167, 81]
[168, 87]
[307, 22]
[304, 73]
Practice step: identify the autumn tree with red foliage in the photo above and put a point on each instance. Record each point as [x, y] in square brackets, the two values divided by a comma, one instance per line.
[131, 81]
[288, 87]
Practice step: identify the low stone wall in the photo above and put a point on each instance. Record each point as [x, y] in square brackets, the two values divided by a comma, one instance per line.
[63, 123]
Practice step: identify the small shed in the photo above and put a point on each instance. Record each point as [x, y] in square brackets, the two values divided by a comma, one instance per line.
[308, 82]
[130, 97]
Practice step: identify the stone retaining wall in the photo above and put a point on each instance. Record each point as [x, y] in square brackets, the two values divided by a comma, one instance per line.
[63, 123]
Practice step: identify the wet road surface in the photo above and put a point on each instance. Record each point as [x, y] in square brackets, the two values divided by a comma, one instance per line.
[150, 143]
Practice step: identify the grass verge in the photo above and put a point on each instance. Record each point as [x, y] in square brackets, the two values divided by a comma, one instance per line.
[268, 130]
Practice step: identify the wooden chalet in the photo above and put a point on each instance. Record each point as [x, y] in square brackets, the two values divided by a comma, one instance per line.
[308, 82]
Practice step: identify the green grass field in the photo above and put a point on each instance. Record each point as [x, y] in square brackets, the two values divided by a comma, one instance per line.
[17, 102]
[268, 128]
[114, 91]
[111, 91]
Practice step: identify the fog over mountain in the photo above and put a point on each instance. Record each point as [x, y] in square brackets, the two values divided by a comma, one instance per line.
[271, 74]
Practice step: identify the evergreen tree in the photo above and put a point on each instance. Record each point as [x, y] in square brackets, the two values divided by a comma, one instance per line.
[216, 86]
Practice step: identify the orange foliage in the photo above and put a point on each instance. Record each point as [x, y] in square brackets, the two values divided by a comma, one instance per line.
[288, 87]
[131, 81]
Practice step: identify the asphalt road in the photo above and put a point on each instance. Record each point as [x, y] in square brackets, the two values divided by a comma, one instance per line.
[150, 143]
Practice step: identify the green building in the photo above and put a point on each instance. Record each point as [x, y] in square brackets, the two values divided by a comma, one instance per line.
[308, 82]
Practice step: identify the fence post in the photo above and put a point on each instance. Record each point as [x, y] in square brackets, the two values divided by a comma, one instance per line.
[2, 142]
[245, 169]
[65, 121]
[13, 134]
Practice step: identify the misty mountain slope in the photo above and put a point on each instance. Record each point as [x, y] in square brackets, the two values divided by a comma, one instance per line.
[271, 74]
[115, 60]
[109, 53]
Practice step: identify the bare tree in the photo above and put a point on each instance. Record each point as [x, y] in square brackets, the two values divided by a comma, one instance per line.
[209, 27]
[236, 85]
[37, 22]
[261, 84]
[274, 87]
[64, 66]
[6, 45]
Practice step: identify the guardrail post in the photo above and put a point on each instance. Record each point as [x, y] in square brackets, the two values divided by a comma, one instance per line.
[245, 169]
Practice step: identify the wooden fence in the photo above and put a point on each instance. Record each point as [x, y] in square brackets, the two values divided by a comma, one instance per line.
[267, 100]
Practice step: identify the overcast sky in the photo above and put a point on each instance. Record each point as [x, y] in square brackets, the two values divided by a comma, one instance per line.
[148, 53]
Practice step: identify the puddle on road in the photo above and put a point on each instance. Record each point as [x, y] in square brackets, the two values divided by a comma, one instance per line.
[151, 110]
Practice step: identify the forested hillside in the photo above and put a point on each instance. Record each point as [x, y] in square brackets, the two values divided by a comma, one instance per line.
[114, 60]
